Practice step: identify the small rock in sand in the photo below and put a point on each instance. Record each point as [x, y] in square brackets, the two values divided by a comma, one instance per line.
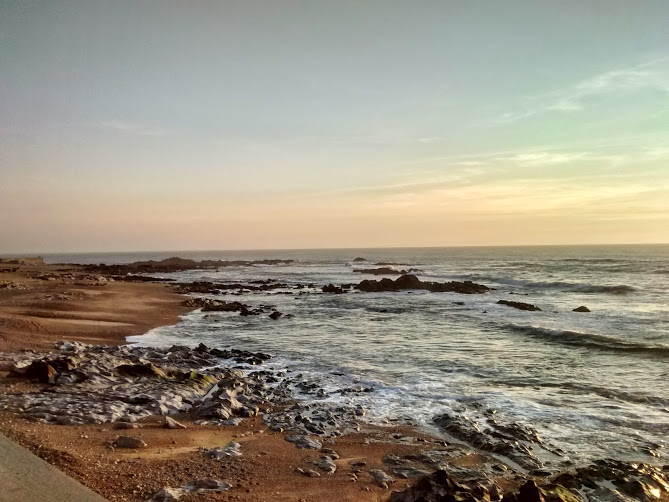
[326, 464]
[304, 441]
[207, 484]
[381, 478]
[309, 473]
[129, 442]
[231, 450]
[125, 425]
[170, 423]
[167, 494]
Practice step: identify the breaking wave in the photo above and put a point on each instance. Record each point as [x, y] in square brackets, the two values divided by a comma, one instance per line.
[590, 340]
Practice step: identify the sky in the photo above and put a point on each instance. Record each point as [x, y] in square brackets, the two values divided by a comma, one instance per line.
[171, 125]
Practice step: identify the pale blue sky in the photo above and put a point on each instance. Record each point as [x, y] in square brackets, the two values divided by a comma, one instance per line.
[275, 124]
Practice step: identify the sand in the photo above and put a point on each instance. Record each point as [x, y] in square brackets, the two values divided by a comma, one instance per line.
[54, 306]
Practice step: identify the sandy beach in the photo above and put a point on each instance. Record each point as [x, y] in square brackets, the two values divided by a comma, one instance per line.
[251, 457]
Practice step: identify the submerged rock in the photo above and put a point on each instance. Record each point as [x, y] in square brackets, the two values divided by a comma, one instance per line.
[582, 308]
[519, 305]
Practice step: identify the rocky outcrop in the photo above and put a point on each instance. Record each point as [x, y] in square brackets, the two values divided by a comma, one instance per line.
[519, 305]
[331, 288]
[385, 271]
[605, 480]
[176, 264]
[511, 440]
[409, 281]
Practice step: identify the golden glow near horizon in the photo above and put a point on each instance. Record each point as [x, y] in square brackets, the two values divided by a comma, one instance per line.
[221, 127]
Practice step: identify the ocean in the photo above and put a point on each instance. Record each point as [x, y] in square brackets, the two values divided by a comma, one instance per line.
[593, 385]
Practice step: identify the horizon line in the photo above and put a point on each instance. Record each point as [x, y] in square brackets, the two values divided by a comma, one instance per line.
[22, 254]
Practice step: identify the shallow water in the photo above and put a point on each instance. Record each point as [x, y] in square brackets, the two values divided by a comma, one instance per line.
[592, 384]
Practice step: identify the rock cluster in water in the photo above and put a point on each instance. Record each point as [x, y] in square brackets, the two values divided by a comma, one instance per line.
[410, 281]
[385, 271]
[519, 305]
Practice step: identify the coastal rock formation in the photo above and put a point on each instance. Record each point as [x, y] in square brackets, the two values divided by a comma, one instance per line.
[582, 308]
[510, 440]
[385, 271]
[606, 480]
[176, 264]
[360, 259]
[331, 288]
[96, 384]
[410, 281]
[519, 305]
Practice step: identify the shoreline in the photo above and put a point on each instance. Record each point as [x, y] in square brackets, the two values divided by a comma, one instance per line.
[66, 302]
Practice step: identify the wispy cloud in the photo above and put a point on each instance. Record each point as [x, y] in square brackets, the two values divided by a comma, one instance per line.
[131, 128]
[649, 76]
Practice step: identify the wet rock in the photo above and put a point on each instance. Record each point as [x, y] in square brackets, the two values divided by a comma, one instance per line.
[381, 478]
[582, 308]
[275, 315]
[410, 282]
[304, 442]
[331, 288]
[519, 305]
[170, 423]
[360, 259]
[129, 442]
[385, 271]
[438, 486]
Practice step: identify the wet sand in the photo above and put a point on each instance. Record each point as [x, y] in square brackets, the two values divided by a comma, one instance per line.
[47, 303]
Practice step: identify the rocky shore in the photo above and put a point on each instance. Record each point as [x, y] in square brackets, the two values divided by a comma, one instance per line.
[193, 423]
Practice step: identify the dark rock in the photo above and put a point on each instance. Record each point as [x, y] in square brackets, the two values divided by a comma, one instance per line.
[359, 260]
[176, 264]
[385, 271]
[519, 305]
[410, 281]
[275, 315]
[331, 288]
[581, 309]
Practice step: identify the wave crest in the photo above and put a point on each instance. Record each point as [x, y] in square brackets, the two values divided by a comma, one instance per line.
[590, 340]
